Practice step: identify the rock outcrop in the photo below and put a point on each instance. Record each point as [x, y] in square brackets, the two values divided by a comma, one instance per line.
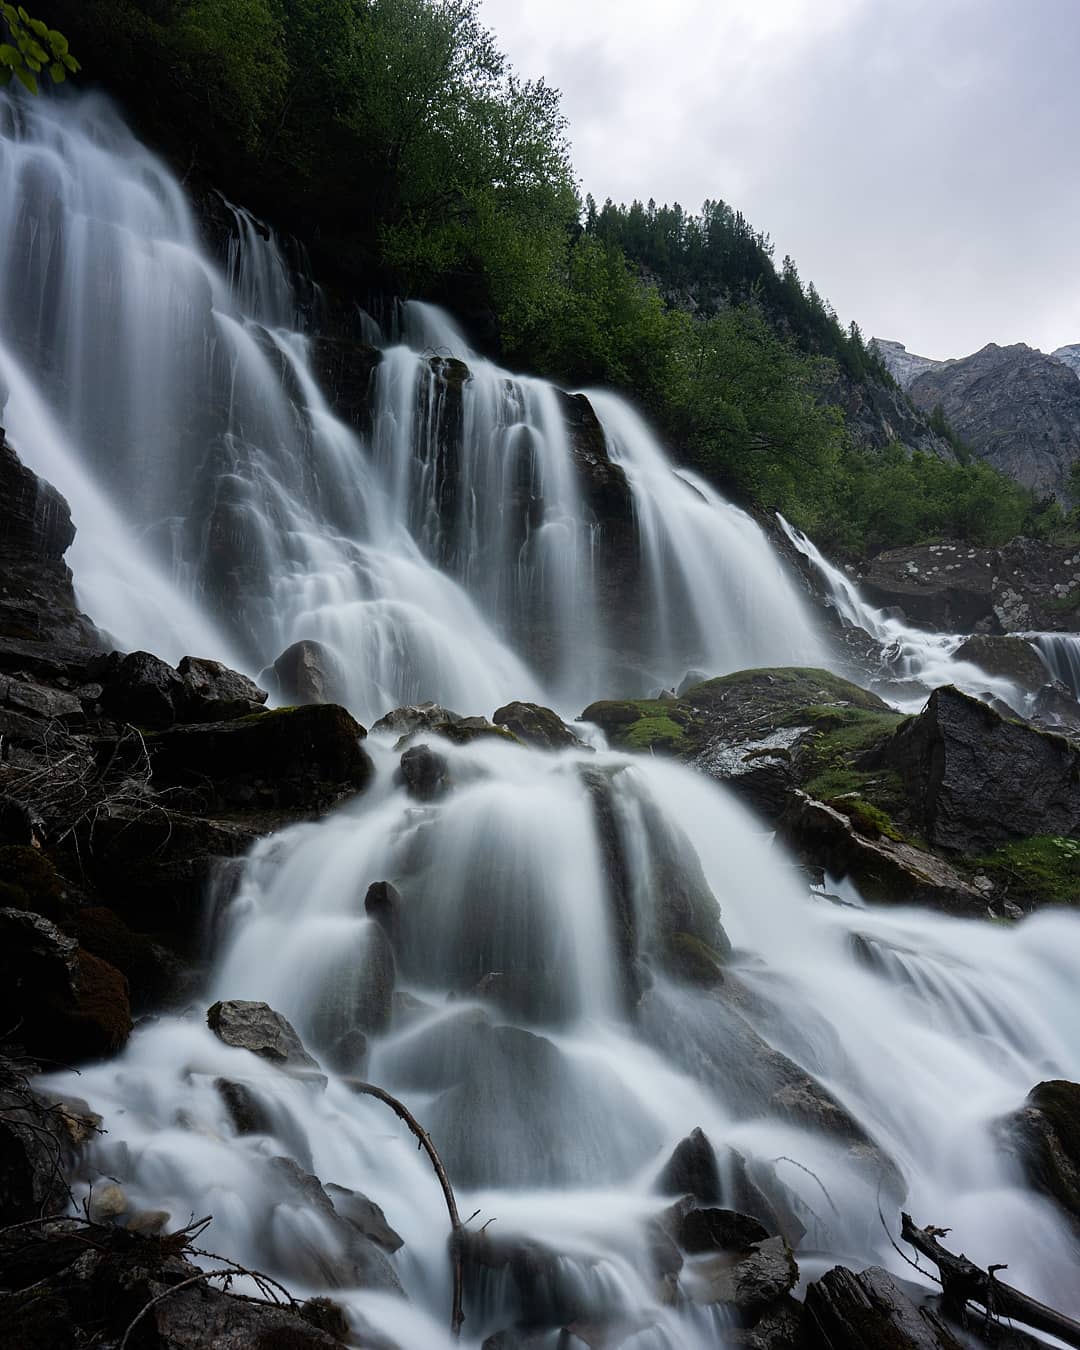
[1017, 408]
[1044, 1136]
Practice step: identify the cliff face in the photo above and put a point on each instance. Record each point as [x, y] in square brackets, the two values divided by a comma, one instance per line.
[1069, 356]
[1017, 408]
[904, 366]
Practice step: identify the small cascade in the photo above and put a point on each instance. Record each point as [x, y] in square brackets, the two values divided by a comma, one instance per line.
[913, 661]
[1060, 654]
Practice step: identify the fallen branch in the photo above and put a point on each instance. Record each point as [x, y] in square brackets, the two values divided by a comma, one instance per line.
[964, 1282]
[457, 1228]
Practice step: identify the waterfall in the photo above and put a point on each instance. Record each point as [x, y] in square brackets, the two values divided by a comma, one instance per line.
[1060, 654]
[480, 536]
[446, 552]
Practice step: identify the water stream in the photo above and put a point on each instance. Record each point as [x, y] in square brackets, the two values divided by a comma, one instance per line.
[224, 509]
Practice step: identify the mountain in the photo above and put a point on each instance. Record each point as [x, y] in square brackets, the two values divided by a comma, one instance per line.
[1069, 356]
[1017, 408]
[902, 365]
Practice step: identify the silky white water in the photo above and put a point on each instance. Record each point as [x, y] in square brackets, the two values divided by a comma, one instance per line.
[224, 509]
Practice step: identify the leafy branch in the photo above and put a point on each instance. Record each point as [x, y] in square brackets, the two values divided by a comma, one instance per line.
[32, 48]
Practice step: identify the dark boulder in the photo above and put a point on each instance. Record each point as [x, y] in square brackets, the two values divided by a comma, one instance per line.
[291, 757]
[383, 904]
[357, 992]
[20, 826]
[257, 1027]
[745, 1283]
[308, 672]
[845, 1311]
[977, 779]
[718, 1230]
[153, 973]
[692, 1170]
[141, 689]
[1011, 658]
[424, 772]
[247, 1110]
[345, 369]
[1044, 1136]
[216, 693]
[78, 1284]
[536, 726]
[35, 1150]
[886, 870]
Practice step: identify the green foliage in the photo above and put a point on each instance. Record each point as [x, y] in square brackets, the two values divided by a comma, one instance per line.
[1043, 869]
[32, 47]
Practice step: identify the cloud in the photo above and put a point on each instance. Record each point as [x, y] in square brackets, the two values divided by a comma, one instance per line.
[917, 157]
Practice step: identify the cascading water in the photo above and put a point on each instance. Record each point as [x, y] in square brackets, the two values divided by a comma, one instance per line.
[537, 1026]
[1060, 654]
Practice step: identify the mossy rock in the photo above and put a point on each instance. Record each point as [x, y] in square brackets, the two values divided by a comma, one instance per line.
[1040, 870]
[868, 819]
[641, 724]
[28, 880]
[693, 960]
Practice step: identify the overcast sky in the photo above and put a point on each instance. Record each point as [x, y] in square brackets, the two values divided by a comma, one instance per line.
[917, 158]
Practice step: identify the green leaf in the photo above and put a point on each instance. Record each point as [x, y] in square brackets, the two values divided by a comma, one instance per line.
[26, 79]
[9, 56]
[38, 52]
[41, 29]
[23, 15]
[58, 73]
[70, 62]
[58, 42]
[33, 65]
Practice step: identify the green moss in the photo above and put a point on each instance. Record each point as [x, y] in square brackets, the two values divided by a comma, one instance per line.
[1043, 868]
[650, 733]
[789, 681]
[867, 818]
[692, 960]
[1064, 602]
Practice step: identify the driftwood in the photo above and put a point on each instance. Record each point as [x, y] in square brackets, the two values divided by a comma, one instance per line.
[964, 1282]
[457, 1228]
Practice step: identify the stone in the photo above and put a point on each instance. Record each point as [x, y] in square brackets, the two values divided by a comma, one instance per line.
[20, 826]
[35, 1150]
[744, 1283]
[382, 903]
[885, 870]
[149, 1222]
[1044, 1136]
[307, 672]
[977, 779]
[424, 772]
[257, 1027]
[848, 1311]
[722, 1230]
[288, 757]
[414, 717]
[692, 1170]
[357, 995]
[107, 1203]
[214, 692]
[357, 1262]
[140, 689]
[1010, 658]
[247, 1110]
[537, 726]
[365, 1216]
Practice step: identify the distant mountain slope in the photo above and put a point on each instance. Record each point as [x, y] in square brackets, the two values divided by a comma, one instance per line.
[902, 365]
[1017, 408]
[1069, 356]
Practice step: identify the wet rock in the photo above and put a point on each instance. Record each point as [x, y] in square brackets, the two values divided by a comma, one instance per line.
[1044, 1135]
[536, 726]
[719, 1230]
[346, 369]
[29, 880]
[383, 904]
[547, 1288]
[247, 1110]
[307, 672]
[692, 1170]
[101, 1022]
[466, 730]
[1011, 658]
[978, 779]
[424, 772]
[257, 1027]
[152, 973]
[365, 1216]
[350, 1259]
[291, 757]
[20, 827]
[141, 689]
[777, 1327]
[349, 1052]
[68, 1285]
[414, 717]
[356, 993]
[885, 870]
[149, 1222]
[35, 1150]
[744, 1283]
[25, 696]
[107, 1203]
[216, 693]
[846, 1311]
